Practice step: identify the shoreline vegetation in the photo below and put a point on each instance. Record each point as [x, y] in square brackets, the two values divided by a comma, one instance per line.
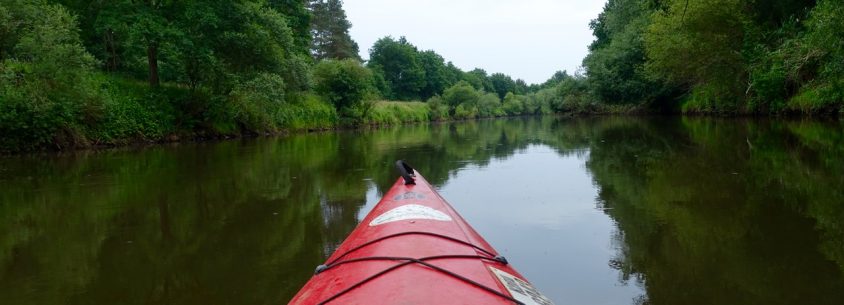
[76, 74]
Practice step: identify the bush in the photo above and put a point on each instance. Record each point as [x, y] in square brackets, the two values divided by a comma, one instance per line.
[489, 105]
[48, 91]
[256, 104]
[545, 99]
[438, 108]
[769, 87]
[531, 104]
[813, 99]
[461, 93]
[344, 84]
[825, 30]
[513, 105]
[464, 111]
[709, 99]
[132, 112]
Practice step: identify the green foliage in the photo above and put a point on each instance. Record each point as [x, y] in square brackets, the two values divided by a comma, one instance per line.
[133, 113]
[700, 43]
[532, 105]
[388, 113]
[502, 84]
[258, 40]
[309, 113]
[572, 96]
[298, 19]
[461, 94]
[555, 79]
[724, 56]
[397, 61]
[344, 84]
[615, 65]
[513, 105]
[545, 100]
[438, 108]
[403, 72]
[48, 92]
[489, 105]
[465, 111]
[330, 30]
[793, 66]
[825, 29]
[256, 104]
[777, 70]
[201, 44]
[478, 78]
[209, 68]
[437, 76]
[244, 66]
[709, 99]
[819, 98]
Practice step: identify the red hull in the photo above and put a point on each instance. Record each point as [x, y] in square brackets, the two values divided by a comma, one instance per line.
[413, 248]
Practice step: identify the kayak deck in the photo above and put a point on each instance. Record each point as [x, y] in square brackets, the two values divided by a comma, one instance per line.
[414, 248]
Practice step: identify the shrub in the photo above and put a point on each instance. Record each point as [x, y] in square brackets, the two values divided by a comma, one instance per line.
[531, 104]
[132, 112]
[257, 103]
[344, 84]
[814, 99]
[464, 111]
[709, 98]
[438, 108]
[512, 104]
[461, 93]
[48, 92]
[489, 105]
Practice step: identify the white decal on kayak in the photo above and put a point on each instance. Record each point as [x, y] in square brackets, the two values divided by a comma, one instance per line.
[520, 290]
[410, 211]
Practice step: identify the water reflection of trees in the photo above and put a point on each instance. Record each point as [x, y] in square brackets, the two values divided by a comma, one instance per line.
[226, 223]
[730, 212]
[707, 211]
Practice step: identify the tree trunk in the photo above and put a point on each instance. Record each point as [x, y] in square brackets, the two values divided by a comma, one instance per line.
[111, 49]
[152, 59]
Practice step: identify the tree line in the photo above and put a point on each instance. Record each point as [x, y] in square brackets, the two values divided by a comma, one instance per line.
[80, 73]
[718, 56]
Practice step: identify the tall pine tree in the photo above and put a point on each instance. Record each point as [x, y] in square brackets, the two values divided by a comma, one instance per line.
[330, 31]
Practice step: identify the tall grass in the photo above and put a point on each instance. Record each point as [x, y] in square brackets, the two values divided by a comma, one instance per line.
[390, 113]
[308, 112]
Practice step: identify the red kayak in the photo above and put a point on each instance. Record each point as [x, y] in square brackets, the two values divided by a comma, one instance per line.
[413, 248]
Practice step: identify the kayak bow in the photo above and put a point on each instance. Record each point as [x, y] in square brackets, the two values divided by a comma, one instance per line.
[413, 248]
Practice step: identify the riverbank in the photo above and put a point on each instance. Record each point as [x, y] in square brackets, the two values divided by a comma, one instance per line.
[126, 112]
[132, 115]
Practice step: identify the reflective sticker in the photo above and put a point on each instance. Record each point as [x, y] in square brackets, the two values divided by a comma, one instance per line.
[520, 290]
[410, 211]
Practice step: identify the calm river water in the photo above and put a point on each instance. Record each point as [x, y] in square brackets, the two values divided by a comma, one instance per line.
[592, 211]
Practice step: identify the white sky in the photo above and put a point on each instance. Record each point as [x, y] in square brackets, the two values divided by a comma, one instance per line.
[527, 39]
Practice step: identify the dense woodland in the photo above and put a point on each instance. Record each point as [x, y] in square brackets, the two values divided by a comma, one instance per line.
[719, 56]
[79, 73]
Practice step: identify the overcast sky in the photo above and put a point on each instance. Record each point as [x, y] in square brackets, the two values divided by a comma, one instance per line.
[527, 39]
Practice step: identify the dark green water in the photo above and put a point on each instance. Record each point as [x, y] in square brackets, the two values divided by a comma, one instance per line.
[593, 211]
